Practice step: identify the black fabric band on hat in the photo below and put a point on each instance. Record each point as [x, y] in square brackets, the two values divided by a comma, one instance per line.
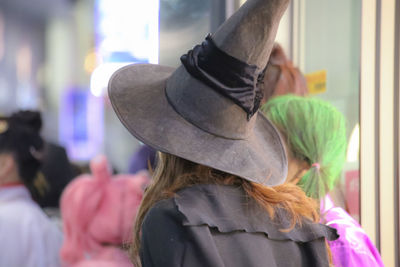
[227, 75]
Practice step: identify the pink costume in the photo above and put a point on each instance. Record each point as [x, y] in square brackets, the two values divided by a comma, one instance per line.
[353, 247]
[98, 213]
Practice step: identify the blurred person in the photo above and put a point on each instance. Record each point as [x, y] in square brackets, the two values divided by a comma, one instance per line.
[315, 135]
[98, 212]
[57, 171]
[28, 237]
[282, 77]
[211, 202]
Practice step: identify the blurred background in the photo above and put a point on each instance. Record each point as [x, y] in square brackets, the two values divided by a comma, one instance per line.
[58, 55]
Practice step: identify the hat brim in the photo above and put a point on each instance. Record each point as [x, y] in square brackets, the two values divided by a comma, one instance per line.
[137, 94]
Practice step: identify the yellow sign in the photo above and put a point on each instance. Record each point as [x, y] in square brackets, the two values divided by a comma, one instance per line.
[316, 82]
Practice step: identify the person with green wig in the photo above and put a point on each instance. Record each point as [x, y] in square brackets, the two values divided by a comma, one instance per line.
[315, 134]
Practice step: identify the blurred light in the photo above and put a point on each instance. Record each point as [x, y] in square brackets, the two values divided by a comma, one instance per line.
[24, 63]
[82, 124]
[101, 76]
[126, 33]
[90, 62]
[127, 30]
[354, 145]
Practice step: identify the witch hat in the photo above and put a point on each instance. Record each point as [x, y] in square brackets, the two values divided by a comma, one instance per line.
[206, 110]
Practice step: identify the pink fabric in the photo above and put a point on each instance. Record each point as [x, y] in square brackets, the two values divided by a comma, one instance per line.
[98, 211]
[353, 247]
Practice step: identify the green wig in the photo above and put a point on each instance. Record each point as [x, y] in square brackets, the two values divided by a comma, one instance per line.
[315, 132]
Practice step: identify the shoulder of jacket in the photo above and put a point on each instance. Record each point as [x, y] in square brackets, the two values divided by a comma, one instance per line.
[162, 210]
[229, 209]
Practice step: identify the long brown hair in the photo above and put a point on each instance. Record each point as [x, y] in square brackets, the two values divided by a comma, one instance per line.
[173, 173]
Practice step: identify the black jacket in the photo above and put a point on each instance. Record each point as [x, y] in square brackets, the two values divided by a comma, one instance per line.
[216, 226]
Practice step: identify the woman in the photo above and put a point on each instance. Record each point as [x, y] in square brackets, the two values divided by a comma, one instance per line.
[98, 213]
[28, 237]
[225, 221]
[315, 134]
[211, 201]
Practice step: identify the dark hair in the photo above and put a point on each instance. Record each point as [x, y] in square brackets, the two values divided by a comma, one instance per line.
[20, 136]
